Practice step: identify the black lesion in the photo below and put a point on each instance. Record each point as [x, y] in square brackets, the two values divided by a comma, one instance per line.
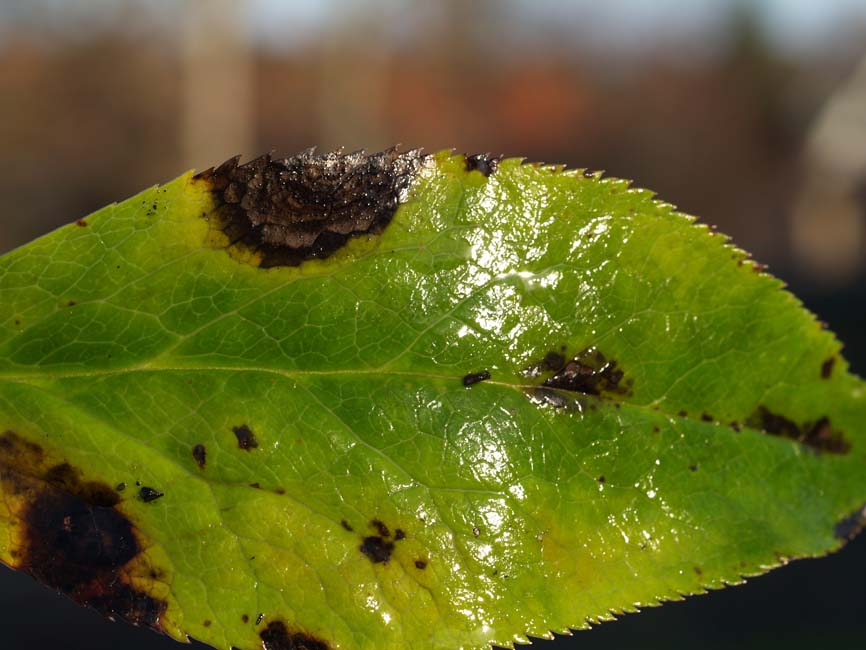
[199, 454]
[246, 438]
[483, 163]
[379, 547]
[818, 435]
[589, 372]
[74, 537]
[278, 636]
[308, 206]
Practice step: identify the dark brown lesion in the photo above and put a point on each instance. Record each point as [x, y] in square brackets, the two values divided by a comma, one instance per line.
[199, 455]
[378, 548]
[587, 373]
[246, 438]
[307, 206]
[278, 636]
[819, 435]
[73, 535]
[483, 163]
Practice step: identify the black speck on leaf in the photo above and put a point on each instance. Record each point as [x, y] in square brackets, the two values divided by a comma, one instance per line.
[475, 378]
[148, 494]
[246, 437]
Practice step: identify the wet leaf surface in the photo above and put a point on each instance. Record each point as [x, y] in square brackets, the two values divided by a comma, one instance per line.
[424, 402]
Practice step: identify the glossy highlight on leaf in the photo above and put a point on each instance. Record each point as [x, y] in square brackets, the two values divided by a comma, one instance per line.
[399, 400]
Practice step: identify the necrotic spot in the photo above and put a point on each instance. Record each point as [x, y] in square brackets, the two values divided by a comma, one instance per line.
[246, 437]
[476, 378]
[377, 549]
[308, 206]
[819, 435]
[199, 454]
[483, 163]
[276, 636]
[148, 494]
[74, 539]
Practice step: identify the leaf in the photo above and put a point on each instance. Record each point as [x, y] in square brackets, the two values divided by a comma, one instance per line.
[406, 401]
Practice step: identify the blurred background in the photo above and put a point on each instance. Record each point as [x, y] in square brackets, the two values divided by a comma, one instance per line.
[751, 115]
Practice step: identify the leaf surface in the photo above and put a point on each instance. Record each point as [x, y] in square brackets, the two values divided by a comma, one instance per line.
[457, 401]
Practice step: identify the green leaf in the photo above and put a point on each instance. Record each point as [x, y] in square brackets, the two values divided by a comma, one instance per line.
[406, 401]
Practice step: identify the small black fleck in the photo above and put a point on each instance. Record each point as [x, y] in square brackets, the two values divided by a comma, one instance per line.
[256, 485]
[482, 162]
[81, 222]
[706, 417]
[260, 618]
[827, 368]
[693, 467]
[656, 429]
[246, 437]
[554, 361]
[71, 303]
[399, 534]
[377, 549]
[380, 527]
[475, 378]
[245, 619]
[206, 623]
[600, 479]
[420, 564]
[148, 494]
[698, 570]
[120, 487]
[199, 454]
[345, 525]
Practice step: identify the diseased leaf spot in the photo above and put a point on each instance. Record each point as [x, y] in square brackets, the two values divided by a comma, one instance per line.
[588, 373]
[849, 527]
[148, 494]
[276, 636]
[483, 163]
[246, 437]
[475, 378]
[74, 538]
[378, 548]
[819, 435]
[308, 206]
[827, 368]
[380, 527]
[199, 454]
